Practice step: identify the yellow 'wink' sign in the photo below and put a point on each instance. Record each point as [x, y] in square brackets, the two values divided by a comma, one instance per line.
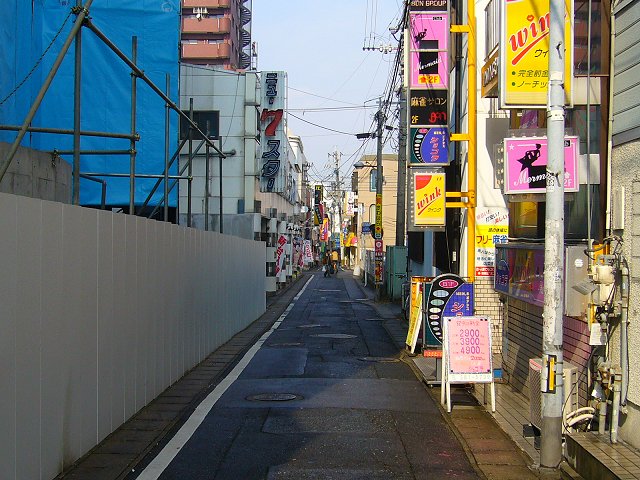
[524, 64]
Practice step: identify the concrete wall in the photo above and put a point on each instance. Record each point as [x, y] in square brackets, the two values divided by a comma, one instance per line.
[99, 313]
[35, 174]
[625, 174]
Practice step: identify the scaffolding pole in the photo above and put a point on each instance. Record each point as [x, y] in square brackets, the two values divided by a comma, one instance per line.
[82, 15]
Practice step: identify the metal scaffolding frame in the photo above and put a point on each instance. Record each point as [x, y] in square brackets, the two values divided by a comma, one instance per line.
[83, 20]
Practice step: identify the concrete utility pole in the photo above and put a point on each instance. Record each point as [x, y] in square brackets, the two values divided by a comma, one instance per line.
[379, 177]
[402, 171]
[552, 381]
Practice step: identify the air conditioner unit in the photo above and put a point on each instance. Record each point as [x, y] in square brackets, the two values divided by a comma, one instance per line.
[570, 377]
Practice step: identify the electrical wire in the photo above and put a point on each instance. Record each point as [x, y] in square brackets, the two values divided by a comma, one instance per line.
[321, 126]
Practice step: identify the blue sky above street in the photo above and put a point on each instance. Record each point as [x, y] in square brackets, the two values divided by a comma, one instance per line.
[331, 78]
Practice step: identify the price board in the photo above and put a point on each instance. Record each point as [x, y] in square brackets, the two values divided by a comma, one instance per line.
[466, 354]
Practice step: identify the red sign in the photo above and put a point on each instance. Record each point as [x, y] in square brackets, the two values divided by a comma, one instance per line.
[448, 283]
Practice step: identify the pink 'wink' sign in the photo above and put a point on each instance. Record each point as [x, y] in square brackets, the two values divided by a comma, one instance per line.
[526, 165]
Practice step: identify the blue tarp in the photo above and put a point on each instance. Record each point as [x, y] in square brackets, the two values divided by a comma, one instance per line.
[28, 27]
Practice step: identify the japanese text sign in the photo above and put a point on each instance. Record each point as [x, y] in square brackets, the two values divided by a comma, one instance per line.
[430, 146]
[428, 107]
[524, 63]
[275, 145]
[469, 349]
[449, 295]
[377, 232]
[492, 227]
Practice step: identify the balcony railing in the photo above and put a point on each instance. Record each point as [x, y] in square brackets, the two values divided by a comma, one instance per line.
[212, 25]
[203, 50]
[210, 4]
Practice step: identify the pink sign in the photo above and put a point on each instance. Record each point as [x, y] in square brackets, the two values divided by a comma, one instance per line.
[526, 165]
[429, 60]
[469, 345]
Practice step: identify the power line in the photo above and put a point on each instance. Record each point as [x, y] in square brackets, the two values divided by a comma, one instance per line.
[320, 126]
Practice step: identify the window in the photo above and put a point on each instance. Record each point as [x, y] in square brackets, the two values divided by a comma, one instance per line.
[599, 58]
[373, 180]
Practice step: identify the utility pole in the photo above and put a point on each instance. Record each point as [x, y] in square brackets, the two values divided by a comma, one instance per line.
[402, 170]
[378, 230]
[552, 381]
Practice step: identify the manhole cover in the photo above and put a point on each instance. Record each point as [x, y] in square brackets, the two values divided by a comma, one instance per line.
[311, 325]
[285, 344]
[334, 335]
[379, 359]
[274, 397]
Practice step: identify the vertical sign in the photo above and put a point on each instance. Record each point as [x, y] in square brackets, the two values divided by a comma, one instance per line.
[429, 199]
[524, 62]
[379, 256]
[317, 201]
[415, 312]
[377, 233]
[274, 145]
[280, 254]
[492, 227]
[428, 63]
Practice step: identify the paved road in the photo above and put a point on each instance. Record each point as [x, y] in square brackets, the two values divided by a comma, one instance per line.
[325, 394]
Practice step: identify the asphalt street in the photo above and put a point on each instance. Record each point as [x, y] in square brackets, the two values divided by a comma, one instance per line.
[324, 394]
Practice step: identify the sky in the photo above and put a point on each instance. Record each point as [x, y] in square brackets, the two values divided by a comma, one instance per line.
[332, 81]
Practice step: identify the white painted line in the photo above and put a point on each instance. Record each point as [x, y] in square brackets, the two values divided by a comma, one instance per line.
[180, 439]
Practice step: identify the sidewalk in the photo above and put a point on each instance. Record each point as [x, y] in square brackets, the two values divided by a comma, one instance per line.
[497, 455]
[150, 429]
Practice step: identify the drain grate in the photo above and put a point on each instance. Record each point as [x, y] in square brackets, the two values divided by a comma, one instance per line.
[334, 335]
[285, 344]
[379, 359]
[274, 397]
[311, 325]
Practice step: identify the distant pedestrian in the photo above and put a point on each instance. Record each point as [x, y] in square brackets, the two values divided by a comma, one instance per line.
[335, 258]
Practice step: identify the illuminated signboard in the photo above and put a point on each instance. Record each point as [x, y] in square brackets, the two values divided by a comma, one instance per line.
[524, 53]
[430, 146]
[428, 108]
[469, 349]
[492, 227]
[377, 232]
[428, 199]
[275, 145]
[449, 296]
[429, 57]
[525, 162]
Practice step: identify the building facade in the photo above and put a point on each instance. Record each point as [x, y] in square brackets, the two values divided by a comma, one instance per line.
[216, 33]
[238, 189]
[624, 207]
